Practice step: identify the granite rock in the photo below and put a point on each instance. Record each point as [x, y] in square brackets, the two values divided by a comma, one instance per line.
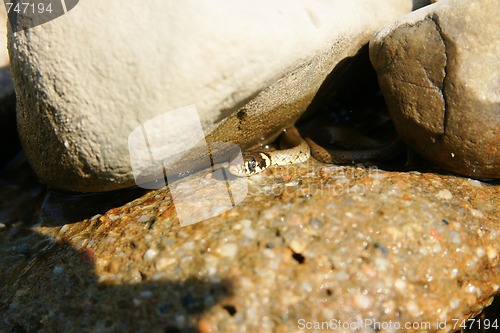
[438, 70]
[87, 79]
[351, 246]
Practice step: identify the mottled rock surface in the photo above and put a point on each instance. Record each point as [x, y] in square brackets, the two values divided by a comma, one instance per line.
[439, 71]
[310, 243]
[86, 79]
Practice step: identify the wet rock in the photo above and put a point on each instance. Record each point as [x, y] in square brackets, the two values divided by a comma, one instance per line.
[249, 69]
[309, 244]
[438, 70]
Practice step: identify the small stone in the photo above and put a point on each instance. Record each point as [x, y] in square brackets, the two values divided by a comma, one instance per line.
[297, 246]
[316, 223]
[248, 232]
[454, 303]
[413, 308]
[204, 326]
[475, 183]
[477, 213]
[492, 253]
[444, 194]
[362, 301]
[112, 217]
[95, 217]
[143, 219]
[150, 254]
[63, 229]
[400, 285]
[228, 250]
[164, 262]
[58, 270]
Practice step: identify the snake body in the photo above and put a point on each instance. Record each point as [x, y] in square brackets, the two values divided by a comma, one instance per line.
[360, 131]
[294, 149]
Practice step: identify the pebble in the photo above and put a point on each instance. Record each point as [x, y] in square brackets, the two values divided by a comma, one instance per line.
[58, 270]
[475, 183]
[150, 254]
[362, 301]
[248, 232]
[228, 250]
[444, 194]
[164, 262]
[143, 219]
[297, 246]
[477, 213]
[382, 264]
[454, 303]
[112, 217]
[63, 229]
[492, 253]
[306, 287]
[413, 308]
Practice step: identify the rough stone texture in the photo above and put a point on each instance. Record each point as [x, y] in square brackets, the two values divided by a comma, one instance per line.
[86, 79]
[309, 242]
[439, 72]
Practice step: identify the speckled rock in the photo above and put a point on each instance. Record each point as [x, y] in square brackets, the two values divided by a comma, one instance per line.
[354, 247]
[438, 70]
[250, 68]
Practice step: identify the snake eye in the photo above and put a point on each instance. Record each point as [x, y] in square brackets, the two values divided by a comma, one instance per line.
[251, 165]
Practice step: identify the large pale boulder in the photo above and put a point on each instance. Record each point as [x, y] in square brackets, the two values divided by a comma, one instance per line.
[87, 79]
[439, 71]
[6, 88]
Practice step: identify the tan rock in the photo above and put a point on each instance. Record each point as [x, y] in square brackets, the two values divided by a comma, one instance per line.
[378, 256]
[439, 72]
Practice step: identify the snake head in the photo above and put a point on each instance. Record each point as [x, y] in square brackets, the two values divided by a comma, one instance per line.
[251, 164]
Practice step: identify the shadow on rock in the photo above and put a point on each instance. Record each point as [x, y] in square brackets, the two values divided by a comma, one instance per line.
[23, 200]
[48, 285]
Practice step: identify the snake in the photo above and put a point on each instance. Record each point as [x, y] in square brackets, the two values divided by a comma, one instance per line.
[329, 144]
[293, 149]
